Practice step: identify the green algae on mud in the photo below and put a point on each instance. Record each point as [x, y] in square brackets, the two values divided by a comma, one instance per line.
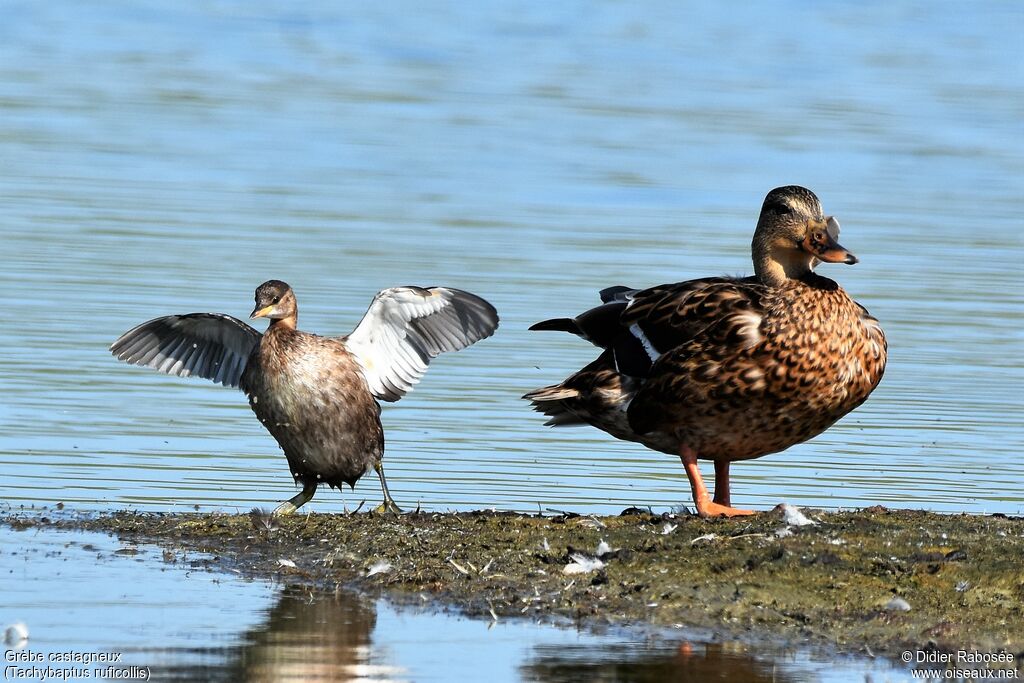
[833, 582]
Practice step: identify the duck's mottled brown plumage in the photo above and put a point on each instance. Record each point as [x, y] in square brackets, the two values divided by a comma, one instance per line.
[729, 369]
[726, 393]
[317, 395]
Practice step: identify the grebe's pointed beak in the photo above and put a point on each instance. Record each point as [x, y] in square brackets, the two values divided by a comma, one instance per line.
[261, 312]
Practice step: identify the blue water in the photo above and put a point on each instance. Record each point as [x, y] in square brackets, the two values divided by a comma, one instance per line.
[158, 158]
[163, 157]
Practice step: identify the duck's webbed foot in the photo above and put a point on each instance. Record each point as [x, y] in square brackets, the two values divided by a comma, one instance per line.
[388, 506]
[709, 508]
[706, 507]
[296, 501]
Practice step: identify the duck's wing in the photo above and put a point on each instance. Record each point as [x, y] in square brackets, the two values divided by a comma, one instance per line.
[688, 349]
[405, 327]
[208, 345]
[640, 325]
[660, 319]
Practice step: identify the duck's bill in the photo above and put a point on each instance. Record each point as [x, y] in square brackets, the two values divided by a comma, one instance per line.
[821, 242]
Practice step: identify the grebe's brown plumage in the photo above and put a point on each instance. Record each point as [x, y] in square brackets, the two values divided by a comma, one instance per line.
[724, 368]
[317, 395]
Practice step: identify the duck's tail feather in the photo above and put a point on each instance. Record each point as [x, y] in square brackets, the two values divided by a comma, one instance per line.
[556, 392]
[551, 402]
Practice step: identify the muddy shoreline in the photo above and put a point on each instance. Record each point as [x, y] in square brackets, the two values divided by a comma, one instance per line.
[874, 581]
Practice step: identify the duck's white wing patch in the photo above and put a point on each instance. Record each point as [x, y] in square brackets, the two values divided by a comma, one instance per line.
[209, 345]
[649, 349]
[407, 326]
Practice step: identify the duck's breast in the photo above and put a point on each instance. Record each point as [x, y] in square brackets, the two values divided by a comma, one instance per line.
[824, 354]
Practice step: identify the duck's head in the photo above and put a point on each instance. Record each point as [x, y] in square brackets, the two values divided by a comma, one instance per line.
[793, 236]
[276, 300]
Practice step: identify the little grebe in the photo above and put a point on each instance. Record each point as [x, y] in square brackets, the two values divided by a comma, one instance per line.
[317, 395]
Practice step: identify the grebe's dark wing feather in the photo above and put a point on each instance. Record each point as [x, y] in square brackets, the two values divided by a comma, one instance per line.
[209, 345]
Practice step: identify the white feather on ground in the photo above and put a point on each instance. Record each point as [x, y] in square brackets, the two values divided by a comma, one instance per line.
[378, 568]
[581, 564]
[793, 517]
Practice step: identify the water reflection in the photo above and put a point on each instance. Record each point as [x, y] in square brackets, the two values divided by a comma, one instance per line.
[183, 623]
[338, 636]
[304, 637]
[309, 636]
[683, 663]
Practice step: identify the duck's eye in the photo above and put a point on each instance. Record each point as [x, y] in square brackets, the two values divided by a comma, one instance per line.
[276, 300]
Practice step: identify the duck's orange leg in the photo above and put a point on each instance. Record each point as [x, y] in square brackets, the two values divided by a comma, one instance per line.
[721, 482]
[719, 507]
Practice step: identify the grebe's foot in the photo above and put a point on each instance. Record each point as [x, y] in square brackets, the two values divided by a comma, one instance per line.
[388, 507]
[295, 502]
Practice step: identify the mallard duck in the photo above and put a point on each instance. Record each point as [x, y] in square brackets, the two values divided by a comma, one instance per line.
[723, 368]
[318, 396]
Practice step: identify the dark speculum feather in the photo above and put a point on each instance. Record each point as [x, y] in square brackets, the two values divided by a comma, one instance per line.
[631, 357]
[603, 324]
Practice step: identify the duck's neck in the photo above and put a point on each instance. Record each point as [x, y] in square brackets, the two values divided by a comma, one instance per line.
[775, 268]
